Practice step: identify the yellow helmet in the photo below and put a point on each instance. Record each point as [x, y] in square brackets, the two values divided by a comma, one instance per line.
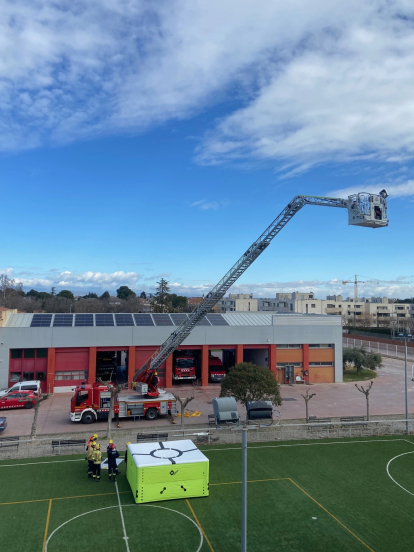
[95, 436]
[93, 444]
[110, 441]
[98, 446]
[129, 442]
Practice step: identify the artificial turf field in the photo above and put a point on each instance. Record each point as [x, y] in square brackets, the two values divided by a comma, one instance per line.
[308, 496]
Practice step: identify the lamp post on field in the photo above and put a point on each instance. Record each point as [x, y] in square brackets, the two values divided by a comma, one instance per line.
[244, 492]
[405, 376]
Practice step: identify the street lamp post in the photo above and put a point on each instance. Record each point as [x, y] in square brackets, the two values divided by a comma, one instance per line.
[405, 374]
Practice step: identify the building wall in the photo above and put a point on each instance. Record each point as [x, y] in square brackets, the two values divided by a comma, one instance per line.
[75, 347]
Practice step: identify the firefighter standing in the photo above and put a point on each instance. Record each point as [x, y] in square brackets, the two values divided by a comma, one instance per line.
[113, 454]
[97, 459]
[91, 439]
[89, 457]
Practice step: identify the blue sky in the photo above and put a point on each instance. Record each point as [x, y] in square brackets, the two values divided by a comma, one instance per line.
[139, 142]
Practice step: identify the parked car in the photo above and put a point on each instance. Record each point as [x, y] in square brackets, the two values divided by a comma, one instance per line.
[18, 399]
[3, 423]
[33, 385]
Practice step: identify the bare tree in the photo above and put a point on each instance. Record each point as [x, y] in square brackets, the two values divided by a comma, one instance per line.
[113, 390]
[366, 393]
[183, 404]
[307, 398]
[39, 398]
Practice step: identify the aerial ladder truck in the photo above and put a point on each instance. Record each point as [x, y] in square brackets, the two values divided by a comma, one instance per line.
[364, 209]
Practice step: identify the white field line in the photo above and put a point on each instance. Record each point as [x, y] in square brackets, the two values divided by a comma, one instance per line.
[310, 444]
[390, 476]
[37, 463]
[230, 448]
[122, 518]
[126, 506]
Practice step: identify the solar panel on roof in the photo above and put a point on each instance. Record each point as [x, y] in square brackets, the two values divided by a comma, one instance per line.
[162, 320]
[143, 320]
[104, 320]
[63, 320]
[41, 321]
[217, 320]
[84, 320]
[203, 322]
[177, 318]
[123, 319]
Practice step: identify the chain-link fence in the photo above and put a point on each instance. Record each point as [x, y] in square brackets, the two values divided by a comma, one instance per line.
[386, 349]
[329, 428]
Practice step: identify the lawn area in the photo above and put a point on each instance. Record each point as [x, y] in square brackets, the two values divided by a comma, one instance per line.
[352, 375]
[313, 496]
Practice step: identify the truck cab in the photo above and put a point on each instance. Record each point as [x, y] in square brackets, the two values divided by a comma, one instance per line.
[216, 371]
[184, 367]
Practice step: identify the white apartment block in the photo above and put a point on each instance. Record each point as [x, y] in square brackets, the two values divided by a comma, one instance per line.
[306, 303]
[380, 307]
[242, 302]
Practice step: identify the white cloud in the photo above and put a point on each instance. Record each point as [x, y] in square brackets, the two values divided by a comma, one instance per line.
[316, 83]
[88, 280]
[205, 205]
[405, 189]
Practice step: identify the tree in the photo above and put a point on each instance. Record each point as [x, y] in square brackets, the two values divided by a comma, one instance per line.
[113, 390]
[248, 382]
[53, 291]
[105, 295]
[178, 302]
[91, 296]
[143, 295]
[361, 358]
[366, 393]
[40, 398]
[9, 287]
[307, 398]
[124, 292]
[38, 294]
[161, 299]
[183, 404]
[66, 294]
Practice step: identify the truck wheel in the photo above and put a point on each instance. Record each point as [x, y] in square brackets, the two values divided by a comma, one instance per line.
[152, 414]
[88, 418]
[28, 404]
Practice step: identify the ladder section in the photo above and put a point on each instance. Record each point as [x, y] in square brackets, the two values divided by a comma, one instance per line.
[239, 267]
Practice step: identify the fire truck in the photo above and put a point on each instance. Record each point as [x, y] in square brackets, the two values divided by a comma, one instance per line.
[184, 367]
[216, 371]
[91, 403]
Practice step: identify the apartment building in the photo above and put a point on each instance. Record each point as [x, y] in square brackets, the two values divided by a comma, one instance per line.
[241, 302]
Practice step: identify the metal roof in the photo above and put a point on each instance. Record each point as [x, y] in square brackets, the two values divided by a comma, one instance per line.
[267, 318]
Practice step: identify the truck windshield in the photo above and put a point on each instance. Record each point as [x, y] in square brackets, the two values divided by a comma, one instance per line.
[81, 397]
[184, 362]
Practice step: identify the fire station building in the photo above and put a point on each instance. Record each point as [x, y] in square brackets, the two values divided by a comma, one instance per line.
[62, 350]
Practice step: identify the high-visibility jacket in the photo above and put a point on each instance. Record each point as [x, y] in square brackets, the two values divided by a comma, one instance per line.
[90, 441]
[89, 456]
[97, 457]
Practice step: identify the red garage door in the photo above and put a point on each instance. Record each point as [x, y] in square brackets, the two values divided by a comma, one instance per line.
[71, 366]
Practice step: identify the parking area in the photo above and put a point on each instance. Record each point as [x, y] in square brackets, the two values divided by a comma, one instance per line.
[332, 399]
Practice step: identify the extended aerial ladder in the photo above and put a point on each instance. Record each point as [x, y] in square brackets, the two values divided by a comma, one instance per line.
[364, 209]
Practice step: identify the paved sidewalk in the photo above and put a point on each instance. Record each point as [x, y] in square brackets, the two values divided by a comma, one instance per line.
[332, 399]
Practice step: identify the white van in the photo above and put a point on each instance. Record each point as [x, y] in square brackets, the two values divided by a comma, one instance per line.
[23, 386]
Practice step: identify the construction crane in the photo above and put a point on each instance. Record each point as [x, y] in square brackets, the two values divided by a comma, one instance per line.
[364, 209]
[355, 282]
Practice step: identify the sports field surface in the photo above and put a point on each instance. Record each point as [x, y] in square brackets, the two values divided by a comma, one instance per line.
[337, 495]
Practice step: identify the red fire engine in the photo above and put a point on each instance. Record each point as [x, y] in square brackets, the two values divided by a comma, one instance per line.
[184, 367]
[91, 403]
[216, 371]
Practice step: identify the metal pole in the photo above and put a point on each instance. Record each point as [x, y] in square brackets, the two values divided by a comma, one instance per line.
[406, 397]
[244, 492]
